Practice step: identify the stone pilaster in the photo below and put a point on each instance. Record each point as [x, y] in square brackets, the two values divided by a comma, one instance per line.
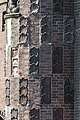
[12, 63]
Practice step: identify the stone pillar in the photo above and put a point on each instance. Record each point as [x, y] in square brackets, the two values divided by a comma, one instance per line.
[12, 65]
[17, 69]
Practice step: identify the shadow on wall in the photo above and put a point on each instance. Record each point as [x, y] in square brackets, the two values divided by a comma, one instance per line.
[1, 118]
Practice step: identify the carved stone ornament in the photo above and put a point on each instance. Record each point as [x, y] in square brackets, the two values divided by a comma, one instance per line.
[13, 6]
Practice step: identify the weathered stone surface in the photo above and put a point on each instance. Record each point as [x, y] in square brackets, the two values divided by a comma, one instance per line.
[24, 61]
[2, 60]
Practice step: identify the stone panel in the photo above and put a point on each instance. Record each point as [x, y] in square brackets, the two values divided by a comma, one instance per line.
[34, 92]
[24, 61]
[57, 29]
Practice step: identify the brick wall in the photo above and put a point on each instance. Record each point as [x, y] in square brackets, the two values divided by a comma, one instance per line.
[76, 61]
[61, 37]
[56, 61]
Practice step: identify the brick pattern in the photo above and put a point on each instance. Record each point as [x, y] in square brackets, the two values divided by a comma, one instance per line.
[45, 113]
[33, 30]
[77, 61]
[29, 31]
[57, 56]
[68, 7]
[45, 60]
[57, 90]
[57, 29]
[23, 92]
[58, 39]
[23, 66]
[57, 114]
[34, 92]
[68, 60]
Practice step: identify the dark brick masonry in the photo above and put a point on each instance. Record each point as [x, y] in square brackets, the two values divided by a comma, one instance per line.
[41, 59]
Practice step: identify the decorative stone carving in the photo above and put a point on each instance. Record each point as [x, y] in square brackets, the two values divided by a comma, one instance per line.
[45, 90]
[34, 6]
[68, 91]
[34, 60]
[23, 91]
[7, 83]
[13, 6]
[23, 29]
[14, 114]
[68, 29]
[14, 61]
[45, 29]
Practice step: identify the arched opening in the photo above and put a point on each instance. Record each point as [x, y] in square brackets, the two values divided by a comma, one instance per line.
[1, 118]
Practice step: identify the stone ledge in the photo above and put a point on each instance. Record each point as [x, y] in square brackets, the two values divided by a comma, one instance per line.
[3, 1]
[12, 15]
